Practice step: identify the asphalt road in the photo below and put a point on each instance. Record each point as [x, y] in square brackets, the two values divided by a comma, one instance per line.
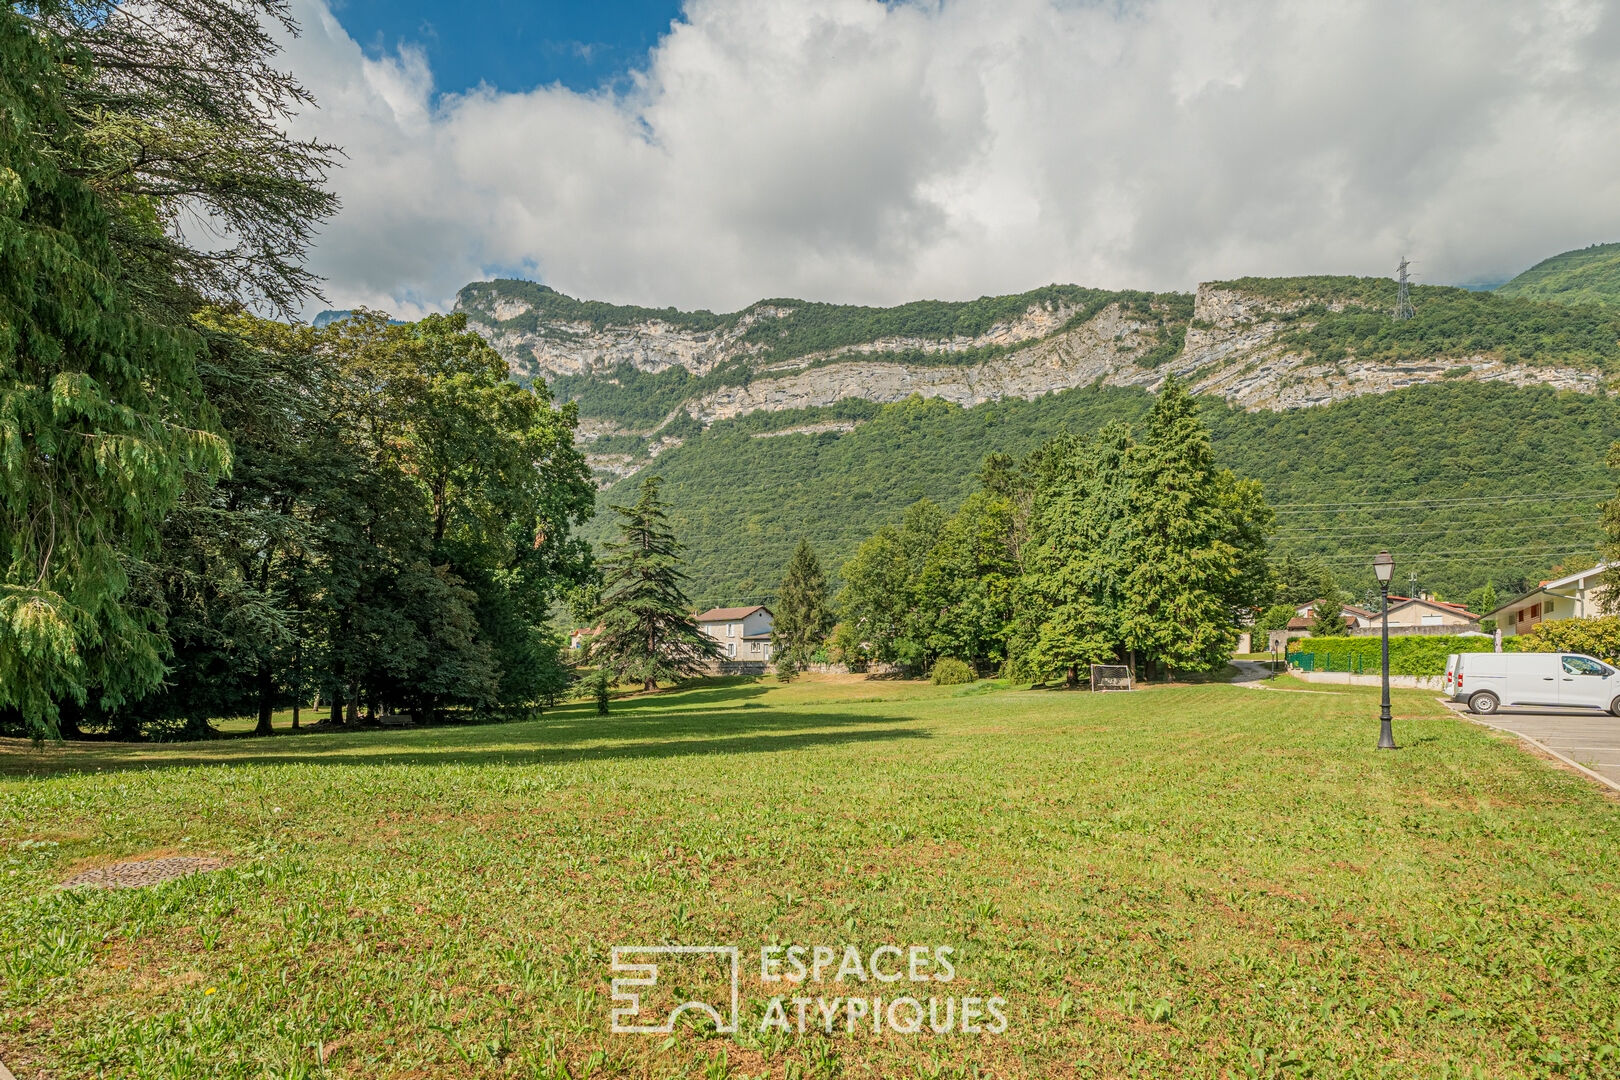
[1589, 739]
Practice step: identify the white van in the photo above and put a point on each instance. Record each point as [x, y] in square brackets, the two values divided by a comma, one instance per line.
[1490, 681]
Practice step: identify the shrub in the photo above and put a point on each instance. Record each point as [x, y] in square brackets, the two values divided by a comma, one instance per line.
[1599, 637]
[949, 671]
[1413, 655]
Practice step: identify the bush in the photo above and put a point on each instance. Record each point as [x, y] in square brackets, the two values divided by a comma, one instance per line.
[1599, 637]
[1414, 655]
[949, 671]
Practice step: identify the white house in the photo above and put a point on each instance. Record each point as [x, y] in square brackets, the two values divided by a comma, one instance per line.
[744, 633]
[1573, 596]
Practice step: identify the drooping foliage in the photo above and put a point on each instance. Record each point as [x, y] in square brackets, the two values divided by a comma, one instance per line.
[392, 536]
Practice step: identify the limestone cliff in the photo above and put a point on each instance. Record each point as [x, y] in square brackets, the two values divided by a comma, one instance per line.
[1246, 341]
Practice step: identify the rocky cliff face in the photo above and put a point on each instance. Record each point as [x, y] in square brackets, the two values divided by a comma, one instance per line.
[1235, 344]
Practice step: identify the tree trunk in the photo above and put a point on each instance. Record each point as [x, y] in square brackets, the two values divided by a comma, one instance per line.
[267, 699]
[336, 715]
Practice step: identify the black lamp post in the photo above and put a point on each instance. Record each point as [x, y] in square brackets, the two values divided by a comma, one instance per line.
[1384, 568]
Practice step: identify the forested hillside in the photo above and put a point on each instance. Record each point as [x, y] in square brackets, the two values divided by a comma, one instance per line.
[1465, 482]
[1589, 275]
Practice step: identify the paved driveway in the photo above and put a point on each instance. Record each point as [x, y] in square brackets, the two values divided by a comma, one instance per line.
[1588, 739]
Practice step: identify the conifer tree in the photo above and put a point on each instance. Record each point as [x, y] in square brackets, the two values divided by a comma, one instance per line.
[1075, 561]
[1197, 542]
[803, 618]
[648, 631]
[101, 416]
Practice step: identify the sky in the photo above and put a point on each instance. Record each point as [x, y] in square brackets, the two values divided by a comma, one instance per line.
[513, 45]
[716, 152]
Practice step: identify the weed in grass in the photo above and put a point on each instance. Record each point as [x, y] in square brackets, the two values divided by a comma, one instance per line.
[1199, 880]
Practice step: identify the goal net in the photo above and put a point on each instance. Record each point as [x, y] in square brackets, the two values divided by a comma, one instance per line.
[1110, 677]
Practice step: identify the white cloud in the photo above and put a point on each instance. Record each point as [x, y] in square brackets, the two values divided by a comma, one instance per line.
[855, 151]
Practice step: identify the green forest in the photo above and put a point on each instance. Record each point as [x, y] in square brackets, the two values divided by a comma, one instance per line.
[1589, 275]
[1467, 483]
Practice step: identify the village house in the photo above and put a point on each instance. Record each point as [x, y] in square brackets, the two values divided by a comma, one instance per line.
[1573, 596]
[1426, 615]
[1305, 614]
[744, 633]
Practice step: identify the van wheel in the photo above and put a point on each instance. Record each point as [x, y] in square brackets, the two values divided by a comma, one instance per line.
[1485, 703]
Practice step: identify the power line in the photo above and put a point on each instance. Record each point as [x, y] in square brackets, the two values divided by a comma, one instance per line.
[1420, 504]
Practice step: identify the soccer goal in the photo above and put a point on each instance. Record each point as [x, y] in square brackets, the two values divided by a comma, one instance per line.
[1110, 677]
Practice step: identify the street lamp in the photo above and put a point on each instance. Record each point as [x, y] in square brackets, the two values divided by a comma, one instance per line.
[1384, 568]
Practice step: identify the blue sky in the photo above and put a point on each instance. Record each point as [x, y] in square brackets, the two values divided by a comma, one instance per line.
[513, 45]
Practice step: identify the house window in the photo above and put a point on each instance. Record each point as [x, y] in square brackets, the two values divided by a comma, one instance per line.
[731, 650]
[1546, 609]
[754, 648]
[1535, 611]
[731, 629]
[1431, 620]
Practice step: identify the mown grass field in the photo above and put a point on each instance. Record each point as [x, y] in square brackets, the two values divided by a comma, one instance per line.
[1189, 881]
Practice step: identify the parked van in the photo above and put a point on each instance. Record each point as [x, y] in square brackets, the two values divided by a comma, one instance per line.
[1490, 681]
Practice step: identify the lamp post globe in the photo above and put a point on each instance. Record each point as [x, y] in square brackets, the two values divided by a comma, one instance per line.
[1384, 570]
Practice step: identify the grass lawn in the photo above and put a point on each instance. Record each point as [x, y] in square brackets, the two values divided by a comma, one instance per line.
[1189, 881]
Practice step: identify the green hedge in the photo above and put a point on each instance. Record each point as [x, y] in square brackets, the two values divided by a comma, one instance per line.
[1415, 655]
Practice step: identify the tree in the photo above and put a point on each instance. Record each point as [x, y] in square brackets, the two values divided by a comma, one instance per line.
[803, 618]
[118, 124]
[1609, 546]
[648, 631]
[184, 118]
[1483, 600]
[102, 419]
[1299, 580]
[1275, 617]
[1196, 542]
[874, 605]
[965, 594]
[1071, 591]
[1327, 616]
[877, 606]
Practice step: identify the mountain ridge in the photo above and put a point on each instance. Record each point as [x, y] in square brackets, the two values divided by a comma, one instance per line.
[647, 378]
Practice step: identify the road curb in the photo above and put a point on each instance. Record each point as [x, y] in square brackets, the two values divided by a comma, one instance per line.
[1537, 743]
[5, 1073]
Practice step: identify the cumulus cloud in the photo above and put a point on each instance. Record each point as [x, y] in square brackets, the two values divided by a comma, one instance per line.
[858, 151]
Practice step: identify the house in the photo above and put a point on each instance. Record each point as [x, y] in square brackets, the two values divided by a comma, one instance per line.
[744, 633]
[1426, 615]
[1353, 617]
[577, 639]
[1573, 596]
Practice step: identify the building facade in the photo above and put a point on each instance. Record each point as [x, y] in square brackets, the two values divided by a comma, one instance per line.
[743, 633]
[1573, 596]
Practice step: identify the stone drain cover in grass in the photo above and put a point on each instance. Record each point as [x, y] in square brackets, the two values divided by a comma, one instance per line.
[133, 875]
